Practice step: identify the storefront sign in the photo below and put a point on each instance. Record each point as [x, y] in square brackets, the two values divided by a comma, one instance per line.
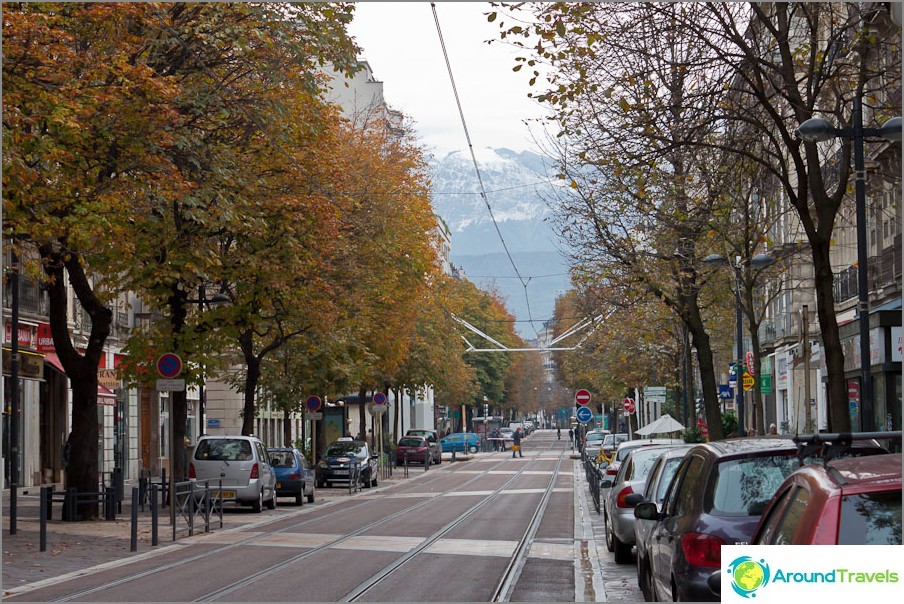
[45, 338]
[31, 366]
[26, 334]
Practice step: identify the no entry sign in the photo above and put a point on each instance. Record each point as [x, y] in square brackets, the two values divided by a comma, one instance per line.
[582, 397]
[629, 405]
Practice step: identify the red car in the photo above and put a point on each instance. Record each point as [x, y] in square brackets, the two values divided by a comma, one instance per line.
[415, 448]
[854, 501]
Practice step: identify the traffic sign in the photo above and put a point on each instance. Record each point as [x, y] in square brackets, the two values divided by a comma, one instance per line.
[313, 403]
[170, 385]
[629, 406]
[584, 414]
[169, 365]
[313, 416]
[748, 381]
[582, 397]
[379, 398]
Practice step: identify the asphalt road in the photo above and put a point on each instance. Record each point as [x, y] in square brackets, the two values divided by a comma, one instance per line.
[489, 528]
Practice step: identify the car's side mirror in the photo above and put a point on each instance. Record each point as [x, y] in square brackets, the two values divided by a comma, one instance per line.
[633, 499]
[646, 510]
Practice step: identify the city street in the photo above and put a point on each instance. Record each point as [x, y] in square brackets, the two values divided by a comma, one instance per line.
[487, 528]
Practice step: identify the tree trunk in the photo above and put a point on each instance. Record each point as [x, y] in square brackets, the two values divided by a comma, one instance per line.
[253, 367]
[82, 472]
[287, 430]
[362, 412]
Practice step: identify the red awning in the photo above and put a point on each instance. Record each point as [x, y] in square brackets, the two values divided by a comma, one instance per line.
[105, 396]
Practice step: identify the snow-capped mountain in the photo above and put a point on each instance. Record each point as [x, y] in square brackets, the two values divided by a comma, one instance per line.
[518, 188]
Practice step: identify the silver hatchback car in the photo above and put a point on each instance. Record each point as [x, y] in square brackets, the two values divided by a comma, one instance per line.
[618, 509]
[242, 464]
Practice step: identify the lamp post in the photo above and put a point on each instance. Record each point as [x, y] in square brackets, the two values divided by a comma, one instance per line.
[758, 261]
[818, 130]
[13, 284]
[486, 411]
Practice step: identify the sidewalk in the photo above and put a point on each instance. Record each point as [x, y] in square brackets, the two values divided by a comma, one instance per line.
[74, 547]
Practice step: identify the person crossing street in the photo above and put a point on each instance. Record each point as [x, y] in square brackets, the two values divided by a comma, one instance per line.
[516, 443]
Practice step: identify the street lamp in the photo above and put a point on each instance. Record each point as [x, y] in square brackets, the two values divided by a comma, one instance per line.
[758, 261]
[818, 130]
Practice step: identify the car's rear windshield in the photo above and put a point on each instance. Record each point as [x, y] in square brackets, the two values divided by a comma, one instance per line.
[411, 442]
[595, 436]
[223, 449]
[282, 459]
[871, 519]
[345, 448]
[743, 487]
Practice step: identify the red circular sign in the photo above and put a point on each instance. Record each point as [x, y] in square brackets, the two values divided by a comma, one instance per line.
[313, 403]
[582, 397]
[629, 405]
[379, 398]
[169, 365]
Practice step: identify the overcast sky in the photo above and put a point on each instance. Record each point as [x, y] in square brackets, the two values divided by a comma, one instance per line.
[402, 46]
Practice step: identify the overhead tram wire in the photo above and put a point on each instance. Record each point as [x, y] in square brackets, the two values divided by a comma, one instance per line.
[329, 198]
[483, 194]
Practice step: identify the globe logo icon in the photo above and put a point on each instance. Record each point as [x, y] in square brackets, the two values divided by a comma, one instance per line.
[748, 575]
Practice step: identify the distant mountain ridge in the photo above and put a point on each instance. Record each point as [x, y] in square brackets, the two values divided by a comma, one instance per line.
[517, 185]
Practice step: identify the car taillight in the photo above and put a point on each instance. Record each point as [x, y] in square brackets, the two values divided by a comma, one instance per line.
[620, 498]
[610, 471]
[294, 475]
[191, 471]
[255, 471]
[702, 550]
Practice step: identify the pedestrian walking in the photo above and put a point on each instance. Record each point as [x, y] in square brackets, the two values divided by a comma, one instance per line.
[571, 436]
[516, 443]
[559, 433]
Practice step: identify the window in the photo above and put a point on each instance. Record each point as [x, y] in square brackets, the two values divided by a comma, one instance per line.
[223, 449]
[786, 517]
[871, 519]
[687, 486]
[743, 487]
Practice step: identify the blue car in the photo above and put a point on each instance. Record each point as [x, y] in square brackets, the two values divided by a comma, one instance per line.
[461, 442]
[294, 475]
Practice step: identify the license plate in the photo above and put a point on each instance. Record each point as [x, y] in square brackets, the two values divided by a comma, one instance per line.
[340, 472]
[228, 494]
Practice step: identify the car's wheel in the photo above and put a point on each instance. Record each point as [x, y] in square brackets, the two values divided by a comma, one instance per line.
[622, 551]
[271, 503]
[472, 449]
[438, 460]
[258, 505]
[311, 496]
[610, 545]
[365, 480]
[299, 497]
[373, 479]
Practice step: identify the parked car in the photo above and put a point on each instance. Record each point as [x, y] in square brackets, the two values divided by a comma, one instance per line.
[241, 464]
[716, 497]
[610, 442]
[618, 510]
[339, 459]
[460, 442]
[432, 437]
[654, 490]
[294, 475]
[413, 449]
[610, 467]
[593, 441]
[854, 501]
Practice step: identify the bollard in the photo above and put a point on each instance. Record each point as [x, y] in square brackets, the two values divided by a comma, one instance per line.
[153, 514]
[406, 464]
[47, 496]
[109, 503]
[134, 534]
[453, 454]
[46, 493]
[118, 482]
[142, 489]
